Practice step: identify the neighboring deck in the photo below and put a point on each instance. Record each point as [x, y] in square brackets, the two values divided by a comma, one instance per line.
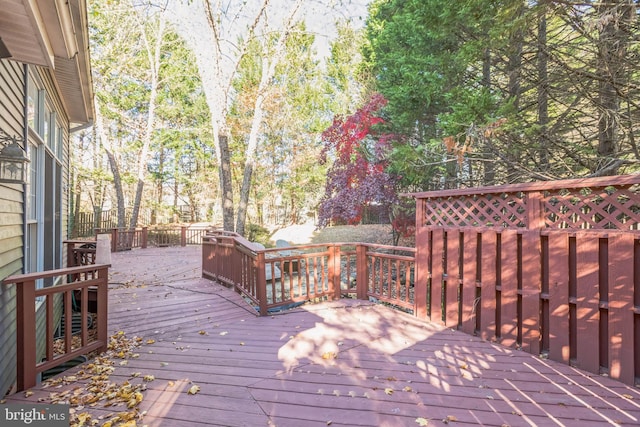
[344, 363]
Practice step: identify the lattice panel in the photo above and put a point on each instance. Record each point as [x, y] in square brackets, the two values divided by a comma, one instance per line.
[616, 208]
[505, 210]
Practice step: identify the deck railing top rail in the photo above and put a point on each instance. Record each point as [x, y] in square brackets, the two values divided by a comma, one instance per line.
[607, 203]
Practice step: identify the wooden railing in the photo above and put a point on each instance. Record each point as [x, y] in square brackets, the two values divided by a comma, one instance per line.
[551, 268]
[123, 239]
[43, 303]
[277, 278]
[80, 252]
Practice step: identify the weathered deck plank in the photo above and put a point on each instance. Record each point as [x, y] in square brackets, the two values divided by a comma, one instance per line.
[345, 363]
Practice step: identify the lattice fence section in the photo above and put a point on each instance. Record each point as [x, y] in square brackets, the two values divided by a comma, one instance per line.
[505, 210]
[611, 207]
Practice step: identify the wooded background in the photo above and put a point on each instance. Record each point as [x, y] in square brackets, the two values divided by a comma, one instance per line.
[227, 111]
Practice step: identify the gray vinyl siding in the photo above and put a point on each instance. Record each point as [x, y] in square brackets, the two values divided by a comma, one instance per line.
[12, 213]
[11, 221]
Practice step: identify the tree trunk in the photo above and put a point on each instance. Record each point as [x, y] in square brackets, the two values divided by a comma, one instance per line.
[543, 89]
[614, 20]
[226, 183]
[117, 183]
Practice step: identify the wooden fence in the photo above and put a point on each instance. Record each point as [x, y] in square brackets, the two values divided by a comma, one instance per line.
[552, 268]
[32, 302]
[273, 279]
[123, 239]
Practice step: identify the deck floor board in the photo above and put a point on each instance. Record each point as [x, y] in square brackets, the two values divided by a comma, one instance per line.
[341, 363]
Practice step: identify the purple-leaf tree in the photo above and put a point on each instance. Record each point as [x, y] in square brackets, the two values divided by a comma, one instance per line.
[357, 177]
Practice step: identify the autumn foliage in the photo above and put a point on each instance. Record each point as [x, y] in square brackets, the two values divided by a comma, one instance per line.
[357, 176]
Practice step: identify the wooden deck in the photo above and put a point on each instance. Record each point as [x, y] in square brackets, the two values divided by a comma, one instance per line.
[344, 363]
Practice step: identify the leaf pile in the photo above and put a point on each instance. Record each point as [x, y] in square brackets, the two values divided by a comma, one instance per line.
[94, 388]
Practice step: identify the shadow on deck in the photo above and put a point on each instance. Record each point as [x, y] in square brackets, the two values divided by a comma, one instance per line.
[342, 363]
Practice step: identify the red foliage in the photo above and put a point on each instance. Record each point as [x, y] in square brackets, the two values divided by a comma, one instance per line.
[357, 176]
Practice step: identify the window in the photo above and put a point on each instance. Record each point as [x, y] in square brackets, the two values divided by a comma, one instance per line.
[33, 104]
[44, 201]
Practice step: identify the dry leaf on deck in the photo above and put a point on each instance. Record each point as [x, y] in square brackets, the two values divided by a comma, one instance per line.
[422, 421]
[194, 389]
[388, 390]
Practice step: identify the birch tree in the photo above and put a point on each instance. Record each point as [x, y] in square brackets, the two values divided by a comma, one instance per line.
[220, 32]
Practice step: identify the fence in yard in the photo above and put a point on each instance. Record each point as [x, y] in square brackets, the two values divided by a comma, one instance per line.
[123, 239]
[552, 268]
[277, 278]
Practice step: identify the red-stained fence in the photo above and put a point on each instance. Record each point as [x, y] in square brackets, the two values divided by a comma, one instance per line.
[552, 268]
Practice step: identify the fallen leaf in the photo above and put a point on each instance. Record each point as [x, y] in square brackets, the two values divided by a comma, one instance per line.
[329, 355]
[449, 419]
[148, 378]
[28, 393]
[194, 389]
[422, 421]
[151, 341]
[407, 389]
[202, 332]
[627, 396]
[163, 363]
[224, 333]
[388, 391]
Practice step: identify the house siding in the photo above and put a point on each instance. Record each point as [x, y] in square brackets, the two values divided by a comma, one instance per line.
[12, 214]
[11, 221]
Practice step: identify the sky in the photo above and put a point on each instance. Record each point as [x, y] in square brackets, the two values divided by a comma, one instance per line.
[320, 17]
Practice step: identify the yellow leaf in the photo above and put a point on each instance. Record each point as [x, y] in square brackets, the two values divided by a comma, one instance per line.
[151, 341]
[627, 396]
[329, 355]
[194, 389]
[388, 391]
[107, 424]
[422, 421]
[202, 332]
[407, 389]
[130, 423]
[28, 393]
[449, 419]
[132, 402]
[148, 378]
[170, 384]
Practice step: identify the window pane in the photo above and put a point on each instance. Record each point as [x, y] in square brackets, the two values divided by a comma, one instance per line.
[46, 128]
[32, 104]
[32, 211]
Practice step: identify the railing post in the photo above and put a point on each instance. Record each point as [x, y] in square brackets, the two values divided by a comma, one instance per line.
[145, 237]
[102, 306]
[261, 283]
[26, 334]
[183, 236]
[535, 211]
[422, 272]
[362, 275]
[335, 275]
[114, 239]
[71, 259]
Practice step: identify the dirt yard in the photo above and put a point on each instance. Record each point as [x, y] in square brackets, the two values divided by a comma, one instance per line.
[301, 234]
